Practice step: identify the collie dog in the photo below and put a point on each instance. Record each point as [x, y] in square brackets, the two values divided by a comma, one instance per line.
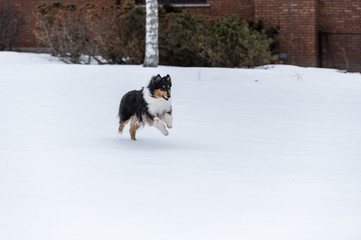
[151, 105]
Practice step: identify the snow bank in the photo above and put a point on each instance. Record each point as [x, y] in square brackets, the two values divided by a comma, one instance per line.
[266, 153]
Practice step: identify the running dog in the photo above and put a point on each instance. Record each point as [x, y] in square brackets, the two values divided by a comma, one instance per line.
[151, 105]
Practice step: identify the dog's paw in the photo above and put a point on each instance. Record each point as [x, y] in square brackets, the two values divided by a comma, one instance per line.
[159, 124]
[168, 120]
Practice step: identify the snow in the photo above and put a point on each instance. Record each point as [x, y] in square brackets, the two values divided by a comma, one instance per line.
[266, 153]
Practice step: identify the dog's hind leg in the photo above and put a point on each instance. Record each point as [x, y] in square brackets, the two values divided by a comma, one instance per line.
[122, 125]
[134, 126]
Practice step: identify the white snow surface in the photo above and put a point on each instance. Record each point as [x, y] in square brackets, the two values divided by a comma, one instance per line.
[254, 154]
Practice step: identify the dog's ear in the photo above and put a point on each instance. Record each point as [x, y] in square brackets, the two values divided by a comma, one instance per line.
[168, 78]
[156, 78]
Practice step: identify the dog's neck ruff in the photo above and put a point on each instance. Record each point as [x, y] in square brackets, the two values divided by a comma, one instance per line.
[156, 106]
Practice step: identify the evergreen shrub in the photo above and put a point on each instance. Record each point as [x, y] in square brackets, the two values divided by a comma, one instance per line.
[193, 40]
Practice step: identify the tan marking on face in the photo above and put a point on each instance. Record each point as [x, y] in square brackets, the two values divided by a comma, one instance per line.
[160, 94]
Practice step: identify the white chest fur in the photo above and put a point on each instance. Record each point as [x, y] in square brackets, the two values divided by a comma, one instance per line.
[157, 106]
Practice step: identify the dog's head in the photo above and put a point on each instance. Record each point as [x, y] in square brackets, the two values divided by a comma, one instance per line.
[160, 87]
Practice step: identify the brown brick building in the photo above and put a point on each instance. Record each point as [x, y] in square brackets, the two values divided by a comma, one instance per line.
[313, 33]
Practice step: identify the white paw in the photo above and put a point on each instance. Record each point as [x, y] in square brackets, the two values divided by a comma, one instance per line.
[160, 126]
[165, 132]
[168, 120]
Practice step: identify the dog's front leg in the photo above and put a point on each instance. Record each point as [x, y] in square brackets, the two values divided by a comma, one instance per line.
[168, 119]
[160, 126]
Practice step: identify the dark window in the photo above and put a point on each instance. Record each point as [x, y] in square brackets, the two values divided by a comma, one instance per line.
[174, 1]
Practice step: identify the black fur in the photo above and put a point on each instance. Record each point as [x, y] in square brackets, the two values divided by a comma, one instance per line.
[134, 106]
[133, 103]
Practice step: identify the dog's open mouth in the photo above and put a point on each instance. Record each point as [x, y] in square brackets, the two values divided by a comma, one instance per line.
[166, 98]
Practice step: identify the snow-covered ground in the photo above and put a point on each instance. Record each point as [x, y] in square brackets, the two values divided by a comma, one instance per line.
[257, 154]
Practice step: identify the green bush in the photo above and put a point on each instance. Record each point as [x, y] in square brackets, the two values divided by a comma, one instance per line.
[180, 39]
[238, 45]
[193, 40]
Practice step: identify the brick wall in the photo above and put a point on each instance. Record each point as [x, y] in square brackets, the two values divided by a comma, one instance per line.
[298, 28]
[340, 16]
[218, 8]
[340, 24]
[341, 51]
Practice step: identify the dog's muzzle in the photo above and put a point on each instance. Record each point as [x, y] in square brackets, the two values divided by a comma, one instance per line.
[167, 97]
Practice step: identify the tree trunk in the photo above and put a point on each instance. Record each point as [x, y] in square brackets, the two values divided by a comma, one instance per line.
[151, 39]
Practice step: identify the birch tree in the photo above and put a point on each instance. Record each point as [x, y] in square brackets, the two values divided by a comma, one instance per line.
[151, 37]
